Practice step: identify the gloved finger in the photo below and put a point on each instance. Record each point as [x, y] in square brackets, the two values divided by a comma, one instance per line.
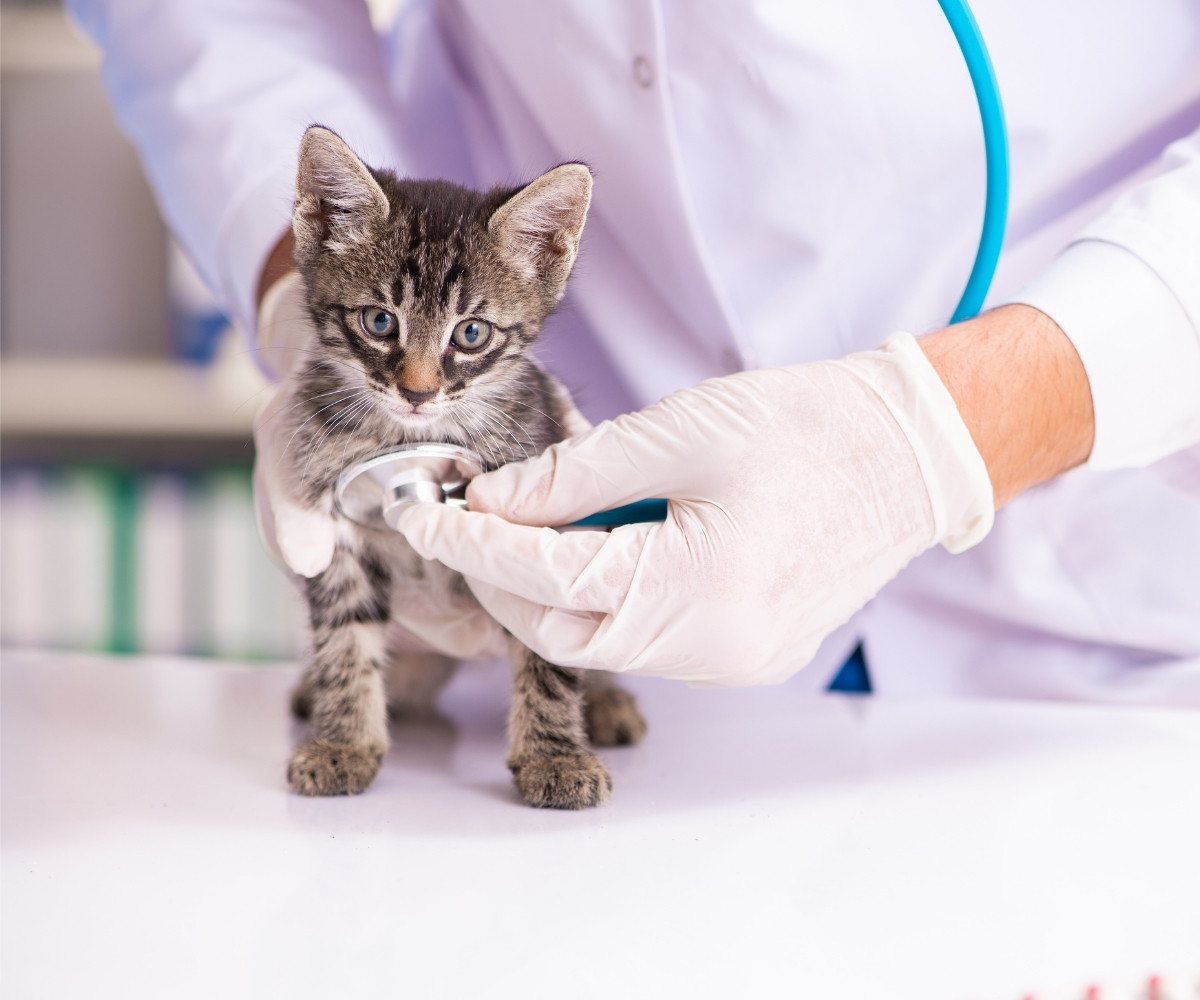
[587, 639]
[448, 619]
[668, 449]
[596, 641]
[465, 633]
[564, 637]
[578, 570]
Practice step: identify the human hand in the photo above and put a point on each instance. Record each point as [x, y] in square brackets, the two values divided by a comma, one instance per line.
[795, 494]
[297, 534]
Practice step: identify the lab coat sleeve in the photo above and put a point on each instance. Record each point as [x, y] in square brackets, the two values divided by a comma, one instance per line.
[216, 94]
[1127, 293]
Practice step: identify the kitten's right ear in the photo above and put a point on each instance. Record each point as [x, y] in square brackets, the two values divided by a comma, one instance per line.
[338, 202]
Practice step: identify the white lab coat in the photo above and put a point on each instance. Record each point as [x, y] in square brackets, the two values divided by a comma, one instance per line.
[777, 183]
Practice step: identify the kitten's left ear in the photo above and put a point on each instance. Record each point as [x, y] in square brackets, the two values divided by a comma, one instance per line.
[338, 202]
[538, 228]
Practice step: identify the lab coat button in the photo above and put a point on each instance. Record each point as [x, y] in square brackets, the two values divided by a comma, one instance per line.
[643, 72]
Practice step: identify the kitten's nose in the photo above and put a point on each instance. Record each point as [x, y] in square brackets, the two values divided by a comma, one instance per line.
[416, 396]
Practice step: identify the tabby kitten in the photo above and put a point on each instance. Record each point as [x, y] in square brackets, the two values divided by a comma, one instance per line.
[426, 297]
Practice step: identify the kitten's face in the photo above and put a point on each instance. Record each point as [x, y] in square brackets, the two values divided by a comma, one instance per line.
[429, 294]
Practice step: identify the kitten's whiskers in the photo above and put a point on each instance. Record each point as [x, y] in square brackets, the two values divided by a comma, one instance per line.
[315, 442]
[492, 418]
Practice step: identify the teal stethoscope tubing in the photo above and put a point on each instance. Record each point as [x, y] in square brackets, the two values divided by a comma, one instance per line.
[995, 146]
[638, 512]
[995, 214]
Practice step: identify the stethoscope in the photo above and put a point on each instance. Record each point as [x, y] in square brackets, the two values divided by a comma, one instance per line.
[378, 488]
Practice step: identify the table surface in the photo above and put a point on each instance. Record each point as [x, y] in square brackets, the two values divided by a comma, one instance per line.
[759, 843]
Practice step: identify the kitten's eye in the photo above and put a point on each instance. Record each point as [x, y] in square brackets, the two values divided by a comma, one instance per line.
[377, 322]
[471, 334]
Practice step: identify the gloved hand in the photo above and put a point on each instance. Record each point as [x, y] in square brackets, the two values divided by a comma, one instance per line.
[297, 536]
[301, 538]
[795, 495]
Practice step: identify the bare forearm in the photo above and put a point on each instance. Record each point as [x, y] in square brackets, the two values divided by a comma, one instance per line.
[1022, 392]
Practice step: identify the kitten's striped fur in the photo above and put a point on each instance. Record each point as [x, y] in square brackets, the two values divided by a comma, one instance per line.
[433, 256]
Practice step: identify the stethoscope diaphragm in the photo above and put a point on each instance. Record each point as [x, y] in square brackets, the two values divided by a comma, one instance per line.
[376, 489]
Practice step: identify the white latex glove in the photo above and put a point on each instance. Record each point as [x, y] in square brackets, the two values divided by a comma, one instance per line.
[301, 538]
[297, 536]
[795, 495]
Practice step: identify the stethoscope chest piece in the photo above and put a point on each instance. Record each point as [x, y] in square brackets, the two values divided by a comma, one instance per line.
[376, 489]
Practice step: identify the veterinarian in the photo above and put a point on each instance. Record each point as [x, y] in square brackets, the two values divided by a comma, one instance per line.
[1012, 502]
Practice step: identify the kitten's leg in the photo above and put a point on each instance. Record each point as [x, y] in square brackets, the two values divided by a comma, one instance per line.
[301, 701]
[610, 713]
[343, 685]
[548, 754]
[414, 680]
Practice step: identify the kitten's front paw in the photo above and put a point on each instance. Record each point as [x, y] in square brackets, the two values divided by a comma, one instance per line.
[319, 767]
[612, 718]
[569, 781]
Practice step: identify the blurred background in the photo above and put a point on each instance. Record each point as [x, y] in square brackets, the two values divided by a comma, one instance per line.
[126, 399]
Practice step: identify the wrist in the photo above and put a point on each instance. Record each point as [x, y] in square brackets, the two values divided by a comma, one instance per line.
[1022, 391]
[279, 262]
[952, 471]
[285, 332]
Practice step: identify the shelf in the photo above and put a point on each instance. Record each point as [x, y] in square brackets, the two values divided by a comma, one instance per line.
[129, 398]
[42, 39]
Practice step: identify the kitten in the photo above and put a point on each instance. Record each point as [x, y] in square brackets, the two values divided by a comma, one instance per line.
[426, 297]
